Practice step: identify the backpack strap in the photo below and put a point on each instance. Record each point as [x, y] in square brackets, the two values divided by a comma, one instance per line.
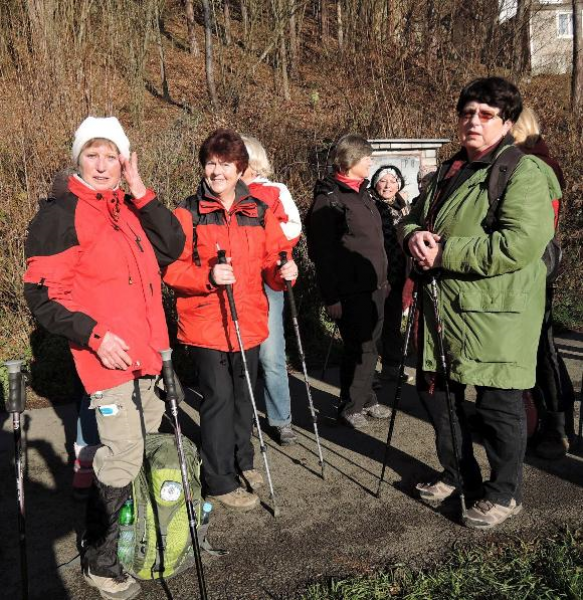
[191, 205]
[500, 173]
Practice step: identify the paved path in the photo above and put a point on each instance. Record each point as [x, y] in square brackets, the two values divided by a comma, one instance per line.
[335, 527]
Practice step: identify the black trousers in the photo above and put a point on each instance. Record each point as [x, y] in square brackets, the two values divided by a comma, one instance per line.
[226, 416]
[360, 327]
[504, 430]
[551, 375]
[390, 345]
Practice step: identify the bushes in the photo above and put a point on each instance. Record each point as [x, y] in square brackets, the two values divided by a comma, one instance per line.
[99, 58]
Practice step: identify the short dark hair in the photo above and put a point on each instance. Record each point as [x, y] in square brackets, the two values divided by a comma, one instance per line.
[349, 150]
[495, 91]
[225, 144]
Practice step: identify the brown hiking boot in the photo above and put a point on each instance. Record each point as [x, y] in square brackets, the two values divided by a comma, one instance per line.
[487, 515]
[239, 499]
[253, 478]
[436, 492]
[123, 587]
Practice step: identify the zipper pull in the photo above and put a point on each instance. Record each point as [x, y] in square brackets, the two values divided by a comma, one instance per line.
[138, 242]
[130, 281]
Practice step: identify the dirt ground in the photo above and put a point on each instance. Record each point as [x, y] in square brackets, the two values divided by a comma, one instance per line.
[331, 527]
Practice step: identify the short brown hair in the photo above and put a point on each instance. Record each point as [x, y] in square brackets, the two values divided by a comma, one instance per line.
[227, 145]
[348, 151]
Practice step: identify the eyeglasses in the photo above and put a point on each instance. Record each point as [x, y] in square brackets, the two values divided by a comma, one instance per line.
[483, 116]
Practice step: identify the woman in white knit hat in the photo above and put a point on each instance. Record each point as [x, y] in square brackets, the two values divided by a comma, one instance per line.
[94, 255]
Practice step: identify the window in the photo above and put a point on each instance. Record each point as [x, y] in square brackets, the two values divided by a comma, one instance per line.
[564, 25]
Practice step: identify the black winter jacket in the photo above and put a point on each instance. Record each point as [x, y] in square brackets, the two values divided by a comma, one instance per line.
[345, 240]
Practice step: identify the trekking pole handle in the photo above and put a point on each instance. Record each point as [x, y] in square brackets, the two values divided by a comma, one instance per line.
[16, 402]
[168, 376]
[292, 303]
[222, 258]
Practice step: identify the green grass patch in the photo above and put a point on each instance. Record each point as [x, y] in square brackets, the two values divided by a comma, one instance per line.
[546, 569]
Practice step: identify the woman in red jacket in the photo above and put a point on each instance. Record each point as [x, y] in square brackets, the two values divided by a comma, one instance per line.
[223, 214]
[94, 256]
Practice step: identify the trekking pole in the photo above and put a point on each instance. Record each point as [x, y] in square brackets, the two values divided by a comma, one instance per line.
[450, 405]
[222, 258]
[16, 404]
[294, 313]
[325, 367]
[172, 399]
[400, 380]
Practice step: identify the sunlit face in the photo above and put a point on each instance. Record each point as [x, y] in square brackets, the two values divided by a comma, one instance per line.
[222, 176]
[480, 126]
[99, 166]
[387, 186]
[361, 169]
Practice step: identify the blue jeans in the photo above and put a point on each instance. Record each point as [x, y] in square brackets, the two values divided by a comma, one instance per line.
[272, 359]
[87, 434]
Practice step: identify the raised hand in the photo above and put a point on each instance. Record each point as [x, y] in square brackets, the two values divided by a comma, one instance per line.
[129, 169]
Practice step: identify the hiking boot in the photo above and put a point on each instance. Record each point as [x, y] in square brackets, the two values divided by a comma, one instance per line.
[239, 499]
[355, 420]
[122, 587]
[377, 411]
[486, 515]
[391, 373]
[552, 447]
[286, 435]
[253, 478]
[436, 492]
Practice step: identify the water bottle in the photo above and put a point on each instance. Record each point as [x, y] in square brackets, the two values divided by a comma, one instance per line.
[125, 544]
[206, 513]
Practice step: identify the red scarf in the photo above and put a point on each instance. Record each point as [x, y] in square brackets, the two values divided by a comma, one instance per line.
[352, 183]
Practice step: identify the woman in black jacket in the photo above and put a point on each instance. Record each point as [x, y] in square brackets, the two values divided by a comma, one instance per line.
[345, 240]
[386, 185]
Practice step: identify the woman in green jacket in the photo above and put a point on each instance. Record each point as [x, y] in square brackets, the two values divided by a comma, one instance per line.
[491, 284]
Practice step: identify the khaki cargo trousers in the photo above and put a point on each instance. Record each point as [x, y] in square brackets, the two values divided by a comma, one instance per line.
[124, 414]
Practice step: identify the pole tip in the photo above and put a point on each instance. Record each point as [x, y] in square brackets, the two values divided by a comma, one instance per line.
[276, 512]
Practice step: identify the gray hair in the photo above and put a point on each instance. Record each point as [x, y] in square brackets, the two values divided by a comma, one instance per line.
[348, 151]
[258, 160]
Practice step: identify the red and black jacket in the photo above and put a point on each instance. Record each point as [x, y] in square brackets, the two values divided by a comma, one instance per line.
[93, 266]
[251, 235]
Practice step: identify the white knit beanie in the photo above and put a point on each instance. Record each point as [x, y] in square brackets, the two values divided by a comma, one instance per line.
[107, 128]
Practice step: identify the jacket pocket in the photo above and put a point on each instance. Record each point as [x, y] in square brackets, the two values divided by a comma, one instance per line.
[493, 325]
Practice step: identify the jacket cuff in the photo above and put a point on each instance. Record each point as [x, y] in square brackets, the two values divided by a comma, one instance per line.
[96, 337]
[139, 203]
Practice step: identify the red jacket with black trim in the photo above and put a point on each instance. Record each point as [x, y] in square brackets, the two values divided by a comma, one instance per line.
[93, 266]
[252, 237]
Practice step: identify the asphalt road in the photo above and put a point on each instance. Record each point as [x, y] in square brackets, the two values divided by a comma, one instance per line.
[331, 527]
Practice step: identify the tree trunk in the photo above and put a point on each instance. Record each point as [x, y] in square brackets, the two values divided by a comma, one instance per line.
[577, 74]
[522, 58]
[163, 76]
[208, 52]
[193, 46]
[340, 28]
[227, 19]
[293, 40]
[245, 19]
[323, 19]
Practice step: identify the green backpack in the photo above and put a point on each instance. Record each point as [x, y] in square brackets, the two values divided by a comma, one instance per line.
[162, 544]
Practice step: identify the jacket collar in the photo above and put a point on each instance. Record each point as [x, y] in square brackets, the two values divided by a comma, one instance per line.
[243, 203]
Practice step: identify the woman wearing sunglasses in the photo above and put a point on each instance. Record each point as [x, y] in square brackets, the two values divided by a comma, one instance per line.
[491, 283]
